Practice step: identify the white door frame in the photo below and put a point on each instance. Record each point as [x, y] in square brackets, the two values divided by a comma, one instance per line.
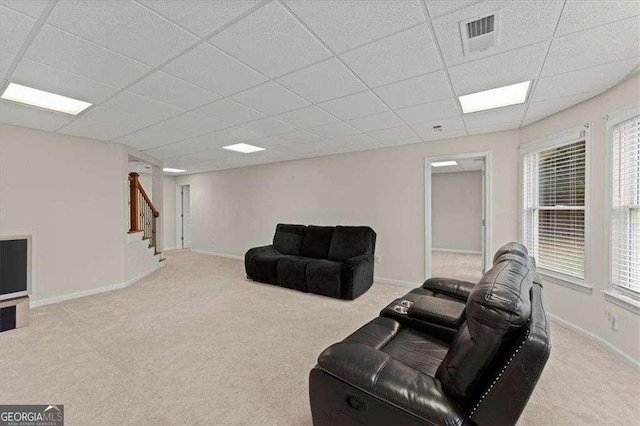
[486, 249]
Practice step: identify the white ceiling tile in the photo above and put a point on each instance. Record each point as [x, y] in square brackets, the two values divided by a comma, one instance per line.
[299, 137]
[495, 116]
[270, 143]
[538, 110]
[451, 127]
[442, 7]
[123, 26]
[6, 59]
[317, 147]
[353, 106]
[271, 41]
[67, 52]
[428, 112]
[22, 115]
[171, 90]
[520, 24]
[175, 129]
[198, 16]
[32, 8]
[191, 160]
[50, 79]
[136, 104]
[310, 116]
[491, 128]
[605, 44]
[234, 135]
[580, 15]
[321, 82]
[359, 142]
[402, 141]
[374, 122]
[229, 111]
[14, 29]
[471, 164]
[269, 127]
[270, 98]
[344, 25]
[585, 80]
[106, 124]
[208, 67]
[500, 70]
[417, 90]
[394, 58]
[395, 134]
[333, 130]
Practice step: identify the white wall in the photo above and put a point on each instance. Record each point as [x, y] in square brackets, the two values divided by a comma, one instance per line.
[235, 210]
[587, 311]
[68, 193]
[456, 211]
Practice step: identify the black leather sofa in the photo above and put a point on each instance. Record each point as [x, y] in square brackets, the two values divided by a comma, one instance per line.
[448, 353]
[334, 261]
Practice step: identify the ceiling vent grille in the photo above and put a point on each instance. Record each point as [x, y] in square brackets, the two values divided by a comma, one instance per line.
[479, 34]
[480, 27]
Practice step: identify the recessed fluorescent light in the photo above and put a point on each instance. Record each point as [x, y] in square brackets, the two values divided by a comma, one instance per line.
[444, 164]
[495, 98]
[42, 99]
[170, 170]
[243, 147]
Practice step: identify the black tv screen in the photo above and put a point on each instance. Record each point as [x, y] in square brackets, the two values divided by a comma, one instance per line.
[14, 267]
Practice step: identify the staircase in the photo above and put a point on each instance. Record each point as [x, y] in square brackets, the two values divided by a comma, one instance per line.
[143, 215]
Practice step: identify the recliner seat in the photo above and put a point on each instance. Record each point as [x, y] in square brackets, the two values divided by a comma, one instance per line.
[391, 372]
[332, 261]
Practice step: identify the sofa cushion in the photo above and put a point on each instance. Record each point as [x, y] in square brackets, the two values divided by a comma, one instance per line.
[288, 238]
[292, 272]
[262, 264]
[418, 350]
[498, 308]
[351, 241]
[323, 277]
[316, 241]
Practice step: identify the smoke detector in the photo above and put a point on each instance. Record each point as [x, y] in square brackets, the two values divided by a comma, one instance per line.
[437, 128]
[479, 34]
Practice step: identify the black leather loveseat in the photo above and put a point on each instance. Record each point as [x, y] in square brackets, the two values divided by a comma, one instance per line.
[335, 261]
[407, 368]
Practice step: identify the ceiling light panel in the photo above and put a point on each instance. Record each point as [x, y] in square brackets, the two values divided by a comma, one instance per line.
[244, 148]
[495, 98]
[41, 99]
[444, 163]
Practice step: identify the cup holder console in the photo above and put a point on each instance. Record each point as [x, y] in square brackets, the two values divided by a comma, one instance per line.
[403, 307]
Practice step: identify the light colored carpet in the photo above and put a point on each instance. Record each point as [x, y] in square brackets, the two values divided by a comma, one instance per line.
[462, 266]
[196, 343]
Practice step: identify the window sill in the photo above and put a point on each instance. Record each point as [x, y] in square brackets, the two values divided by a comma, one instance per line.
[623, 301]
[575, 285]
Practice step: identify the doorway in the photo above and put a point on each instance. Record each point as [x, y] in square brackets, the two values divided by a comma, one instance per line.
[457, 216]
[183, 216]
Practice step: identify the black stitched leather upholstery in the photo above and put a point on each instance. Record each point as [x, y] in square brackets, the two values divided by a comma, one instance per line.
[394, 372]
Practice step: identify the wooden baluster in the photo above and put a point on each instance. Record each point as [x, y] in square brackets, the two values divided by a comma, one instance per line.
[134, 203]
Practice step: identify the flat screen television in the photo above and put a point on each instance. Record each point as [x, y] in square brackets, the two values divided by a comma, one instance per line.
[15, 266]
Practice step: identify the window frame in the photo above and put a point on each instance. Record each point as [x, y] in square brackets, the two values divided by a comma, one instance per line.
[572, 135]
[619, 295]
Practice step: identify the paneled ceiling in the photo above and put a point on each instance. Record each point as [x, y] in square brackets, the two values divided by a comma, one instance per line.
[178, 80]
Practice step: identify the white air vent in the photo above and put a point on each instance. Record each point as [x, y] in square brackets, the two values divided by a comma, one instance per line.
[479, 34]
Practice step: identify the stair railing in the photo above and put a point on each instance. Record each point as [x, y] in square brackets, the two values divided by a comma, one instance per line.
[143, 214]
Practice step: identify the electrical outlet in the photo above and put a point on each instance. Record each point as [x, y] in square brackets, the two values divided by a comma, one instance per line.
[613, 320]
[377, 259]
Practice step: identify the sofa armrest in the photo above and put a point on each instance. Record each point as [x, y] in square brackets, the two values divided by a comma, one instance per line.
[392, 381]
[455, 288]
[444, 312]
[356, 276]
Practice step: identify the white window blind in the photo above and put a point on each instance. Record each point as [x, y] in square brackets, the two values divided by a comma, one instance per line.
[625, 209]
[554, 207]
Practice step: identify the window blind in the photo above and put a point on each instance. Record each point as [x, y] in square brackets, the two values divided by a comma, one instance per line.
[625, 211]
[554, 208]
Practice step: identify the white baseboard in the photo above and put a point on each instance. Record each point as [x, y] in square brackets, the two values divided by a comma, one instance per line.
[446, 250]
[597, 340]
[169, 248]
[396, 282]
[70, 296]
[211, 253]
